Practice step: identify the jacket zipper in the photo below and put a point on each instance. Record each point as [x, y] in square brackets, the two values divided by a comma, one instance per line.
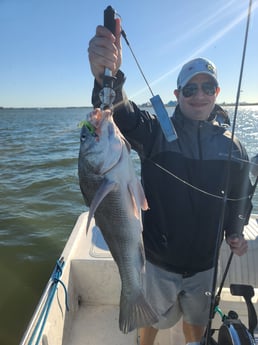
[199, 140]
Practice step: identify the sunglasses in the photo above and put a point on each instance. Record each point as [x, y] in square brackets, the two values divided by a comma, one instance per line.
[191, 89]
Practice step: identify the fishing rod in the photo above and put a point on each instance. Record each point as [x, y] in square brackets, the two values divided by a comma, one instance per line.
[207, 337]
[163, 121]
[170, 135]
[107, 94]
[161, 112]
[254, 171]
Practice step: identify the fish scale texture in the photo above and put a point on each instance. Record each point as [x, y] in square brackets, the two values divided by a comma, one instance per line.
[114, 194]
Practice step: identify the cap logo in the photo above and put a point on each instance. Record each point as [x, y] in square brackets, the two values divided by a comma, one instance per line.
[210, 68]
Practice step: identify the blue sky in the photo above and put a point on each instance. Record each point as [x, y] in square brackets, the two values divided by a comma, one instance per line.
[44, 60]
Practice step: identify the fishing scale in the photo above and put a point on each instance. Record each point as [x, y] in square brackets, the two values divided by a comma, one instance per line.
[107, 94]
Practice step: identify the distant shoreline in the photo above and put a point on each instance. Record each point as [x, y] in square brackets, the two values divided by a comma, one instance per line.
[173, 104]
[145, 105]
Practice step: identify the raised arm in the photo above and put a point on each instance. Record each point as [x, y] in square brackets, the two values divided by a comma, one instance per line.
[105, 51]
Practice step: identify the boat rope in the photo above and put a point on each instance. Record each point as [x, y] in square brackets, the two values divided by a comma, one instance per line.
[54, 280]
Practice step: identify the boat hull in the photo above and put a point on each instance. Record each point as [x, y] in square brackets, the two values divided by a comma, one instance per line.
[93, 285]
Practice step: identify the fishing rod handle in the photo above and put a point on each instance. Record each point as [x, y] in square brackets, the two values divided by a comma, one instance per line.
[109, 19]
[110, 24]
[107, 94]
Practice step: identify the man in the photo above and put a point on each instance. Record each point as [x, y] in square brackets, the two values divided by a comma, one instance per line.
[184, 182]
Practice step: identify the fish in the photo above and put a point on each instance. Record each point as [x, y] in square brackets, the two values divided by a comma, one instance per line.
[115, 197]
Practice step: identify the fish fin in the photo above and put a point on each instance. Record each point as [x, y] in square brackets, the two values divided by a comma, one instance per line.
[142, 256]
[136, 314]
[127, 144]
[138, 198]
[135, 204]
[142, 197]
[104, 189]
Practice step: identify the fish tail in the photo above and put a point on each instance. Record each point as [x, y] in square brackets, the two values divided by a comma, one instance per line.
[135, 313]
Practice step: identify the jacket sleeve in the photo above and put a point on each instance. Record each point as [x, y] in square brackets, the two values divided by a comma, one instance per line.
[135, 124]
[240, 195]
[124, 112]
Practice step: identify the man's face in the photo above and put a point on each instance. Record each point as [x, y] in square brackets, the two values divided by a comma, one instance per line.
[199, 105]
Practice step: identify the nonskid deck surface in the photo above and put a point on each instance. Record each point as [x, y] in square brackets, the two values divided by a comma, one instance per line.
[93, 284]
[97, 325]
[106, 316]
[96, 322]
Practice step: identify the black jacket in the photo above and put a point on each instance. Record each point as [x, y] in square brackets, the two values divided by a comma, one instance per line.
[184, 182]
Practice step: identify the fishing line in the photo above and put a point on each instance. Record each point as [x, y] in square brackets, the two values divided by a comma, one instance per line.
[159, 166]
[136, 60]
[208, 334]
[165, 122]
[196, 188]
[224, 198]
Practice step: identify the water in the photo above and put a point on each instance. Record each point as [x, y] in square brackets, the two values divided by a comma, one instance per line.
[40, 201]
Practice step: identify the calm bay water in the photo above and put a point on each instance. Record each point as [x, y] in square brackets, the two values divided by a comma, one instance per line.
[40, 201]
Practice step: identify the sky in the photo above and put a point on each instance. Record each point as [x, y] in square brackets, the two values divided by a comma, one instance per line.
[44, 58]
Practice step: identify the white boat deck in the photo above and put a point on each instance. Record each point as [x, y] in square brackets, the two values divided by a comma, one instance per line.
[93, 285]
[101, 320]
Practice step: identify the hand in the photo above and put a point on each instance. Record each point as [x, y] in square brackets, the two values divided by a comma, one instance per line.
[238, 244]
[105, 51]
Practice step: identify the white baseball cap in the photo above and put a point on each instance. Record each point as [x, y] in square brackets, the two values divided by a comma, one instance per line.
[194, 67]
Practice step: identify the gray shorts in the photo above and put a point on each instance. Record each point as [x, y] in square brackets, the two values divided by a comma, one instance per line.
[173, 296]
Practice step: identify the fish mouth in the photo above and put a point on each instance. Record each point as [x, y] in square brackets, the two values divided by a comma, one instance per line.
[87, 130]
[96, 118]
[94, 122]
